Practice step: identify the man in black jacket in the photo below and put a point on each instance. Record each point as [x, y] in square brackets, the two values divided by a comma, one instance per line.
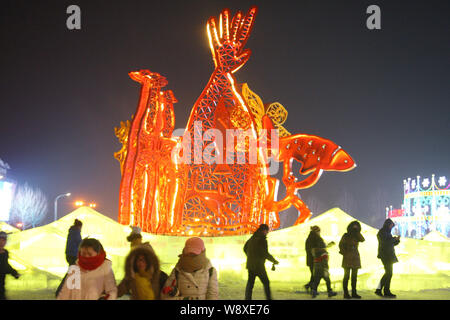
[310, 243]
[257, 252]
[5, 267]
[386, 253]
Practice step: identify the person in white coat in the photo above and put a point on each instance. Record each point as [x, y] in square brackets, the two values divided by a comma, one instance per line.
[92, 277]
[194, 277]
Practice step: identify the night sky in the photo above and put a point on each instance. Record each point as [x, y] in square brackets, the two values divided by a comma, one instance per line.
[383, 95]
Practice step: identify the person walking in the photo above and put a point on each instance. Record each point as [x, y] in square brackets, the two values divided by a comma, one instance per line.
[351, 261]
[257, 252]
[143, 278]
[5, 267]
[311, 242]
[194, 277]
[320, 266]
[93, 277]
[73, 242]
[386, 252]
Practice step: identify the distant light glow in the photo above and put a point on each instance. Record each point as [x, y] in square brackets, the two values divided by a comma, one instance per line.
[79, 203]
[6, 197]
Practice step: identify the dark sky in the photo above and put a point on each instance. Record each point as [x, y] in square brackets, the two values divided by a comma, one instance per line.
[383, 95]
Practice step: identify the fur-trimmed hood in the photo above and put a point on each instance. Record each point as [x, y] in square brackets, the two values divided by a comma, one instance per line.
[156, 276]
[146, 250]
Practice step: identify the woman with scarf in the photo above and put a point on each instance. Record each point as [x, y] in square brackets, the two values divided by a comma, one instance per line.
[193, 278]
[92, 277]
[351, 261]
[143, 277]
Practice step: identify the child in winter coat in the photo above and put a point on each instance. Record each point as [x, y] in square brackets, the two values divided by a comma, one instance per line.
[193, 278]
[92, 277]
[143, 277]
[320, 269]
[5, 267]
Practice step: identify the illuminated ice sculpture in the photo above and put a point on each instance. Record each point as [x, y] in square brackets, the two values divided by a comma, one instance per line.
[425, 208]
[194, 184]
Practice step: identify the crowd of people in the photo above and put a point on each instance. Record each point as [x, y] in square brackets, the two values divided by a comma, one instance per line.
[91, 277]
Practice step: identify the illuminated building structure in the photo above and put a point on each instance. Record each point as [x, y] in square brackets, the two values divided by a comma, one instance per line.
[7, 190]
[170, 188]
[425, 208]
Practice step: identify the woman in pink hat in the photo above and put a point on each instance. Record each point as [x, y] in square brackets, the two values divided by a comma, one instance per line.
[193, 278]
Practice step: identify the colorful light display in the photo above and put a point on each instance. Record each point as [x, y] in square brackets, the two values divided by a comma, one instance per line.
[194, 185]
[425, 208]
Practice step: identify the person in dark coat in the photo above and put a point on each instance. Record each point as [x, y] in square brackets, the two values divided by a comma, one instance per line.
[73, 242]
[351, 261]
[386, 252]
[257, 252]
[320, 263]
[312, 241]
[5, 267]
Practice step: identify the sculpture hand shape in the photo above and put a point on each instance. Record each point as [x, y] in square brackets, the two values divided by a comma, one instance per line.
[227, 41]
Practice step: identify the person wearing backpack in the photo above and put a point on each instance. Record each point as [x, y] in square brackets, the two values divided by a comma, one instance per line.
[351, 261]
[194, 277]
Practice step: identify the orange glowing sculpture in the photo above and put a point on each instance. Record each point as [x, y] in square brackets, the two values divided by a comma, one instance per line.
[193, 185]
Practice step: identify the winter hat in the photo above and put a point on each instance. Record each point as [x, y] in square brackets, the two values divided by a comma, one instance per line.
[135, 229]
[135, 234]
[3, 235]
[315, 228]
[263, 227]
[194, 245]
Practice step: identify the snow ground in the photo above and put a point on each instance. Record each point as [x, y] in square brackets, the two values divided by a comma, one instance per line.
[234, 290]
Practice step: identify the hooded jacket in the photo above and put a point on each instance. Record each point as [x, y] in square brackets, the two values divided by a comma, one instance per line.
[157, 277]
[386, 243]
[256, 249]
[348, 246]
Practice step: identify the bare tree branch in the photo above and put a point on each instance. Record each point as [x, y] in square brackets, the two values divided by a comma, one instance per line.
[29, 206]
